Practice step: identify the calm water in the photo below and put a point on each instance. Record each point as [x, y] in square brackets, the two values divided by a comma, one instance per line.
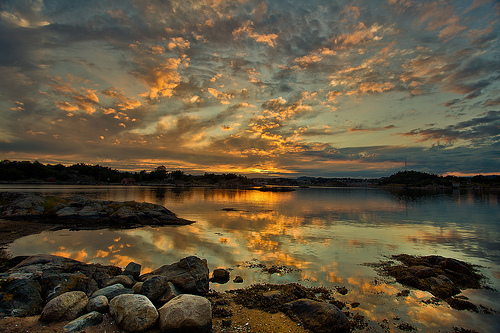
[326, 234]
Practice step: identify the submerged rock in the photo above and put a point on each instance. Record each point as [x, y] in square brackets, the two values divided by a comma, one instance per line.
[220, 275]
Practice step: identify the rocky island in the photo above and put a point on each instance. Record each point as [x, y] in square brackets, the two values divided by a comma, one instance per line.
[79, 212]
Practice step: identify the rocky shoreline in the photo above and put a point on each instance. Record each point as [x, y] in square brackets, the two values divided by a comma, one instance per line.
[47, 293]
[70, 296]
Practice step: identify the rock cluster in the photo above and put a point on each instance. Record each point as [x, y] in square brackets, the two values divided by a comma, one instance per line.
[61, 289]
[172, 298]
[442, 277]
[81, 212]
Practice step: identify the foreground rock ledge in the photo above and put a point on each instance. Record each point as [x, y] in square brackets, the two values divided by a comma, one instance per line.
[84, 213]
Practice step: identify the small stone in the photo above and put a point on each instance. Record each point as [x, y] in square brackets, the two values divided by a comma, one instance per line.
[220, 275]
[98, 303]
[90, 319]
[122, 279]
[133, 269]
[238, 279]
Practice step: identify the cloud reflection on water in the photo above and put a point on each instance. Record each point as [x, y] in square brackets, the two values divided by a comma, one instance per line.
[326, 233]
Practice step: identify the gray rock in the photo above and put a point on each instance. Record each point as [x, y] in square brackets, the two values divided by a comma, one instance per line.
[170, 292]
[122, 279]
[66, 212]
[186, 313]
[220, 275]
[154, 287]
[319, 316]
[112, 291]
[55, 284]
[67, 306]
[133, 313]
[133, 269]
[190, 275]
[88, 211]
[90, 319]
[99, 303]
[20, 297]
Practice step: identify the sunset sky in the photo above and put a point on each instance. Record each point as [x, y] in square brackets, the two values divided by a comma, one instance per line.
[328, 88]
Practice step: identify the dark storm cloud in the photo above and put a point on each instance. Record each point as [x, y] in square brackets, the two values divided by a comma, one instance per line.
[481, 130]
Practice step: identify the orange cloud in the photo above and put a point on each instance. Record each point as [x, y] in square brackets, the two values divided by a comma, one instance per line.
[247, 30]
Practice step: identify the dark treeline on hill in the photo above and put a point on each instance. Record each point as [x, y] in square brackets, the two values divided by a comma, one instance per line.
[422, 179]
[30, 172]
[26, 171]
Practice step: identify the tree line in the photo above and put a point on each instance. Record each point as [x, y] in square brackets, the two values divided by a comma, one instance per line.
[12, 171]
[15, 171]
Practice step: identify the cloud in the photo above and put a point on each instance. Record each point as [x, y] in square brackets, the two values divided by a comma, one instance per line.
[247, 29]
[480, 131]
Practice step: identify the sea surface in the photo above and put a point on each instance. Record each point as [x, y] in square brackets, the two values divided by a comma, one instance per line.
[323, 236]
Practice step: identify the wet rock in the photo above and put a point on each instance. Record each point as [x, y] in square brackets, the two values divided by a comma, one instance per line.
[220, 275]
[55, 284]
[67, 306]
[112, 291]
[442, 277]
[422, 272]
[186, 313]
[98, 303]
[318, 316]
[133, 269]
[20, 297]
[190, 275]
[154, 287]
[133, 313]
[169, 293]
[87, 320]
[121, 279]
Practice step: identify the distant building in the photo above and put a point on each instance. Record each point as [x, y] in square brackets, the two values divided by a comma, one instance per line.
[128, 181]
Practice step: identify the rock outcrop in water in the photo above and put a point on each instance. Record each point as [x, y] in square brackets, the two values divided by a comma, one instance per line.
[84, 213]
[442, 277]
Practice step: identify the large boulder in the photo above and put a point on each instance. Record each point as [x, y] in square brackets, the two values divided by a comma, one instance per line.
[67, 306]
[190, 275]
[186, 313]
[20, 297]
[318, 316]
[133, 313]
[90, 319]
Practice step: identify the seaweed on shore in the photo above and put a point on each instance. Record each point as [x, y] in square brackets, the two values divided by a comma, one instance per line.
[443, 277]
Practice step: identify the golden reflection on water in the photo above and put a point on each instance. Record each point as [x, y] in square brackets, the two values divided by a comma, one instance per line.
[324, 235]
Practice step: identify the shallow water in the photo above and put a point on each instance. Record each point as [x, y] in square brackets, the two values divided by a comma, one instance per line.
[324, 235]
